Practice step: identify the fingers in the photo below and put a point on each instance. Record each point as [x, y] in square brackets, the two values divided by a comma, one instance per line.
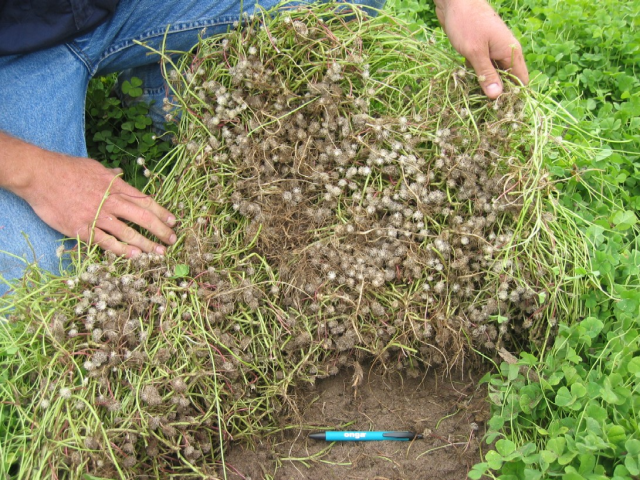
[148, 203]
[511, 60]
[111, 244]
[144, 217]
[488, 76]
[125, 203]
[130, 204]
[147, 220]
[515, 63]
[126, 240]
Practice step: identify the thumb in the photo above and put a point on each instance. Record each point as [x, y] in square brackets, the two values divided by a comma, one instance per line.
[487, 75]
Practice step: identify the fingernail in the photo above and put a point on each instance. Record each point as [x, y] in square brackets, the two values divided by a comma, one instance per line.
[171, 221]
[135, 252]
[172, 239]
[493, 90]
[160, 250]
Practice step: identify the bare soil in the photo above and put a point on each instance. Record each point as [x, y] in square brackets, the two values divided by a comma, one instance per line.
[450, 413]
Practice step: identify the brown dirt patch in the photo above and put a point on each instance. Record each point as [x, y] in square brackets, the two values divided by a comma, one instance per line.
[443, 409]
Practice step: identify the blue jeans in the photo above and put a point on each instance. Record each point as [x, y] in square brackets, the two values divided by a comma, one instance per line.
[43, 95]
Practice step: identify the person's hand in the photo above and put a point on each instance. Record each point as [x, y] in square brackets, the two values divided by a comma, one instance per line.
[477, 32]
[79, 197]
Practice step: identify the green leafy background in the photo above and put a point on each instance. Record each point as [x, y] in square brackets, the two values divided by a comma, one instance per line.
[572, 412]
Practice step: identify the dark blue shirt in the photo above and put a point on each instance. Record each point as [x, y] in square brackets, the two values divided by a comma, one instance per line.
[29, 25]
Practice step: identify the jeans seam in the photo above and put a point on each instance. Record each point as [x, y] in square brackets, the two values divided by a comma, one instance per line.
[176, 28]
[86, 61]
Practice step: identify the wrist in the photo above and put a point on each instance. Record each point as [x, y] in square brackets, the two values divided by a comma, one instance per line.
[444, 5]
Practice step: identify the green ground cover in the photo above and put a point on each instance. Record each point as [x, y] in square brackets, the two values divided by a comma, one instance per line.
[577, 416]
[118, 133]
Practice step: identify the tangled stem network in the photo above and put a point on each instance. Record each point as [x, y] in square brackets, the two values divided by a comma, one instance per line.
[346, 192]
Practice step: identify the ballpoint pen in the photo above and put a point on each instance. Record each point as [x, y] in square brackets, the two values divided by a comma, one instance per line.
[364, 436]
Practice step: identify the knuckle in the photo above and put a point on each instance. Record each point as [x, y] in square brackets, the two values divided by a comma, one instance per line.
[479, 47]
[474, 51]
[146, 219]
[83, 232]
[486, 76]
[146, 201]
[106, 242]
[112, 202]
[129, 234]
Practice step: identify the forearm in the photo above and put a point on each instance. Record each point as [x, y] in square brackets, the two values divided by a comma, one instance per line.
[17, 163]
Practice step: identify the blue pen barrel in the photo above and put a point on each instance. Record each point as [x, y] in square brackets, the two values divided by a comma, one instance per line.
[360, 437]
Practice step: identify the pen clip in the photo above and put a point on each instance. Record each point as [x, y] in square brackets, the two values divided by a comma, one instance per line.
[403, 435]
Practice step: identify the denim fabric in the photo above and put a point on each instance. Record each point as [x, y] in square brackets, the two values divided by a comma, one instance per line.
[43, 97]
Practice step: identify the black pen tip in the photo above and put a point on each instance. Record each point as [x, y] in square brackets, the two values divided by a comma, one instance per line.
[317, 436]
